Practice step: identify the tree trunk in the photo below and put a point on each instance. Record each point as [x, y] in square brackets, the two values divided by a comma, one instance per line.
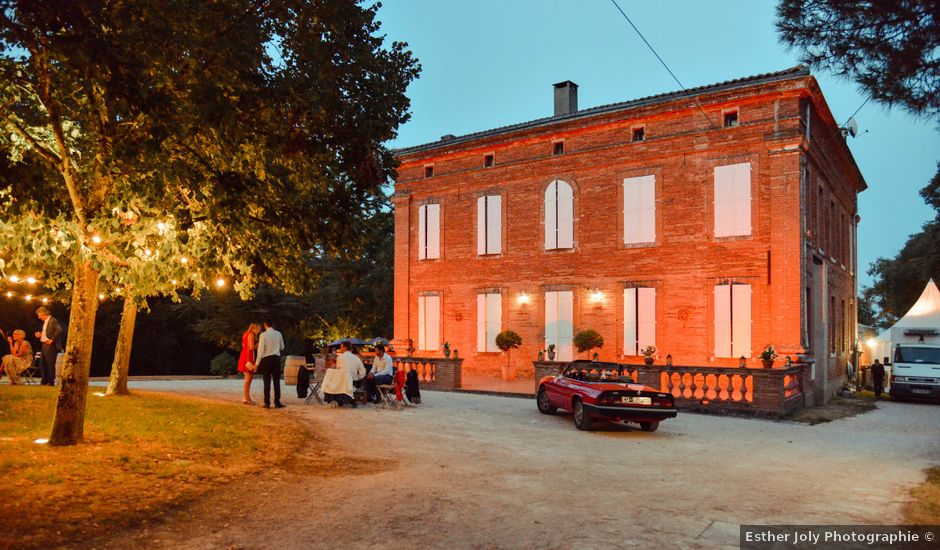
[68, 425]
[117, 385]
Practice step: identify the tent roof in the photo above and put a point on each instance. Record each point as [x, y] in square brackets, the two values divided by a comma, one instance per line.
[925, 313]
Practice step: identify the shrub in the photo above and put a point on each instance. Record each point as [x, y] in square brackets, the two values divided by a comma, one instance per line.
[507, 340]
[222, 364]
[586, 340]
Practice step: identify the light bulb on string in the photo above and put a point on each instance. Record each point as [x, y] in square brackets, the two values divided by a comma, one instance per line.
[9, 294]
[29, 298]
[31, 280]
[45, 300]
[220, 282]
[14, 279]
[101, 296]
[173, 282]
[96, 238]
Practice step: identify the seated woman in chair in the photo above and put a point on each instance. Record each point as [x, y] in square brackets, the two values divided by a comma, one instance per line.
[19, 359]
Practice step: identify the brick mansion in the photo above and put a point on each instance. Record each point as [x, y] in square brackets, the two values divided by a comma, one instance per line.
[708, 223]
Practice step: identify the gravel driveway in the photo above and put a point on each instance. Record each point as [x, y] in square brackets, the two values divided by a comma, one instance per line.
[477, 471]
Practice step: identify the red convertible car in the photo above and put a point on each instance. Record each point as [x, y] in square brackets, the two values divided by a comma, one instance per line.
[603, 391]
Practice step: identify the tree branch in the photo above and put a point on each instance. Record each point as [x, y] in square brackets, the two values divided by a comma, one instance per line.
[46, 154]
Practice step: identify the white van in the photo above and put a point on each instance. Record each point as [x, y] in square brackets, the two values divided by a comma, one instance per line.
[916, 371]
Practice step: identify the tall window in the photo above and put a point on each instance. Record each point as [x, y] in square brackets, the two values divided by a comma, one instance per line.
[559, 323]
[733, 200]
[429, 322]
[832, 325]
[639, 210]
[429, 232]
[559, 216]
[489, 320]
[639, 319]
[732, 320]
[489, 225]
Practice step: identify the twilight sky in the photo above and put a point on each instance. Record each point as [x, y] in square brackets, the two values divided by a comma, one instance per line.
[488, 63]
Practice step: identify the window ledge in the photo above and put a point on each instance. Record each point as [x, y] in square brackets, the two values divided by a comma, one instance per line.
[729, 238]
[639, 245]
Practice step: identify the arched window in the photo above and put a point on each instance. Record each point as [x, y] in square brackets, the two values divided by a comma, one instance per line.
[559, 216]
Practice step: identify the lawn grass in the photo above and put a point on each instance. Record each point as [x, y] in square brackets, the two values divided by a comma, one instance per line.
[142, 454]
[924, 509]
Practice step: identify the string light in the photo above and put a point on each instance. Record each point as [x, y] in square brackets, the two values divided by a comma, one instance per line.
[184, 260]
[9, 294]
[173, 282]
[45, 300]
[14, 279]
[101, 296]
[96, 238]
[220, 282]
[29, 297]
[31, 280]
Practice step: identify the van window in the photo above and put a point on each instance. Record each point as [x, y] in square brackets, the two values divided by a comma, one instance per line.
[914, 354]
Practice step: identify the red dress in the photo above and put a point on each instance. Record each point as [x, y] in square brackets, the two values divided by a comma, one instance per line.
[248, 354]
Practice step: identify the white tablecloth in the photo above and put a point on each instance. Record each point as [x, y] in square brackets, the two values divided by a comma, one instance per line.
[338, 381]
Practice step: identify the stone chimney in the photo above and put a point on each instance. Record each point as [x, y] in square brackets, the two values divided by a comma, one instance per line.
[566, 98]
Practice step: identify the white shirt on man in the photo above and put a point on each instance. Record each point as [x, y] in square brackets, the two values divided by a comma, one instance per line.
[270, 343]
[382, 365]
[43, 338]
[347, 360]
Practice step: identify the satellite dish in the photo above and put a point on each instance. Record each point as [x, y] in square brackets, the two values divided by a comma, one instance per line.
[851, 127]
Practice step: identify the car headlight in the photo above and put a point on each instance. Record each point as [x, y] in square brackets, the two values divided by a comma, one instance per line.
[898, 379]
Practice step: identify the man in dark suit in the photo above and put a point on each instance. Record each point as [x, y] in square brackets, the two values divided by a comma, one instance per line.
[51, 337]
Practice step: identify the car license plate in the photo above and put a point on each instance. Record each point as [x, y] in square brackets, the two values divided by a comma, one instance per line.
[631, 400]
[921, 391]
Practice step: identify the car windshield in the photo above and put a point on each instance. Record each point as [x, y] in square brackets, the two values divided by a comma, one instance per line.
[915, 354]
[589, 371]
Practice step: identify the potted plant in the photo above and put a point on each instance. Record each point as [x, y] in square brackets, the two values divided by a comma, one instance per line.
[588, 339]
[768, 355]
[648, 352]
[506, 341]
[446, 349]
[551, 352]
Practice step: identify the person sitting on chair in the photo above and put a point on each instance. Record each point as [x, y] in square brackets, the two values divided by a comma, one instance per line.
[381, 373]
[354, 370]
[19, 359]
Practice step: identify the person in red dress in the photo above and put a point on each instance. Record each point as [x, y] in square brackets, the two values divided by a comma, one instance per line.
[246, 361]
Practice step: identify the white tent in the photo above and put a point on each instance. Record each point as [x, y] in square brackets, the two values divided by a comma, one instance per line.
[925, 314]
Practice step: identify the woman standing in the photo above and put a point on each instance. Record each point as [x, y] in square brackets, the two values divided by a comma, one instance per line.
[19, 359]
[246, 361]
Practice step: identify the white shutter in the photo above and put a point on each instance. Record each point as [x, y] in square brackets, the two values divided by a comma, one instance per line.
[724, 194]
[629, 321]
[481, 322]
[422, 319]
[565, 215]
[565, 322]
[551, 319]
[742, 198]
[434, 231]
[741, 320]
[494, 224]
[646, 313]
[639, 210]
[481, 226]
[723, 321]
[422, 234]
[551, 217]
[433, 316]
[494, 319]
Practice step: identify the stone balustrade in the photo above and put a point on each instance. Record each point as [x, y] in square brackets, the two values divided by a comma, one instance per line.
[765, 393]
[434, 373]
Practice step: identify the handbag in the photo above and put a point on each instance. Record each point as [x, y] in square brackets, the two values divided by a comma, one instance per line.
[250, 367]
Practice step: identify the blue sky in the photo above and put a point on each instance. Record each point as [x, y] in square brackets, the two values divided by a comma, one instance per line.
[489, 63]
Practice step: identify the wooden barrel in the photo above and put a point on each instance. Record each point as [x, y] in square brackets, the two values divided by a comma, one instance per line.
[292, 366]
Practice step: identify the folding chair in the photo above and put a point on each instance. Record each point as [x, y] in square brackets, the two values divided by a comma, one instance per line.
[317, 374]
[393, 395]
[33, 373]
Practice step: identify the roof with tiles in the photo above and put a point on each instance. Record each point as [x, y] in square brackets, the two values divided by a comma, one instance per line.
[793, 72]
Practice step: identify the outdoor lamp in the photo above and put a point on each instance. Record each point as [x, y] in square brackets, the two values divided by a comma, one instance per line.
[523, 298]
[668, 359]
[788, 362]
[597, 295]
[742, 362]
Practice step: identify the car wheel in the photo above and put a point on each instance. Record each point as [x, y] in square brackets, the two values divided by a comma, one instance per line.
[649, 426]
[582, 420]
[544, 405]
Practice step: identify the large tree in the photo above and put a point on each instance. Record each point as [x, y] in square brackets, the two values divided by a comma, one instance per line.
[259, 123]
[899, 281]
[891, 48]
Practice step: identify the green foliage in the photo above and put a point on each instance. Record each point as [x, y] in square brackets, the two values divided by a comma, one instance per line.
[888, 47]
[508, 339]
[899, 281]
[223, 364]
[587, 340]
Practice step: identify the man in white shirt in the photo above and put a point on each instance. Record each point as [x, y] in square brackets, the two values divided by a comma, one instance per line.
[343, 390]
[382, 373]
[270, 346]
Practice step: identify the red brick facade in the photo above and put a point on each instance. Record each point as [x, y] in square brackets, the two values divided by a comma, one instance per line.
[798, 260]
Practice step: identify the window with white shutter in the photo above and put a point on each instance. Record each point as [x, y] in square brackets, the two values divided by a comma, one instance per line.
[489, 320]
[732, 320]
[559, 323]
[559, 216]
[639, 319]
[429, 232]
[489, 225]
[733, 200]
[429, 322]
[639, 210]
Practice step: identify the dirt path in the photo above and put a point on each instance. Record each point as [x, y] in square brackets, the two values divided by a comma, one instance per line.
[471, 471]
